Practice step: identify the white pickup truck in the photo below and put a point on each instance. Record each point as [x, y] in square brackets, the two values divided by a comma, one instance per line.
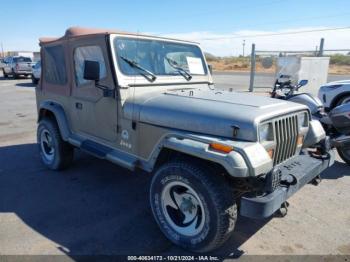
[17, 65]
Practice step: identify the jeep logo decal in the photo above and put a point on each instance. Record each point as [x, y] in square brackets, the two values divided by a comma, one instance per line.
[125, 134]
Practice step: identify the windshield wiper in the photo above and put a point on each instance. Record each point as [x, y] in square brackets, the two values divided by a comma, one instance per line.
[179, 69]
[134, 64]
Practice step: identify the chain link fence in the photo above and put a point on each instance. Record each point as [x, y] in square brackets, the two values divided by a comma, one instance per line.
[317, 66]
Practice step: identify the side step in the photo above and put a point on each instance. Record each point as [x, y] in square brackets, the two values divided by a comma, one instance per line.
[95, 149]
[113, 155]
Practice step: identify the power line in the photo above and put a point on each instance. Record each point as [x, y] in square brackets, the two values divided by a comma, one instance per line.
[298, 19]
[286, 21]
[274, 34]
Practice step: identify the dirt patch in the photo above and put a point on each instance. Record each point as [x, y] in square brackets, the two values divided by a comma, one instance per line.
[344, 249]
[300, 246]
[7, 138]
[5, 123]
[244, 66]
[287, 249]
[339, 70]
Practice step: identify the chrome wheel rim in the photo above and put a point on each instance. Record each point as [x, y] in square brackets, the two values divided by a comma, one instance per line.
[46, 144]
[182, 208]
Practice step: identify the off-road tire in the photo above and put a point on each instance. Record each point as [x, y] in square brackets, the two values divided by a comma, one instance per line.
[35, 81]
[217, 196]
[63, 152]
[344, 154]
[343, 100]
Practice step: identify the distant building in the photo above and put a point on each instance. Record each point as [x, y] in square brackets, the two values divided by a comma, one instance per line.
[35, 56]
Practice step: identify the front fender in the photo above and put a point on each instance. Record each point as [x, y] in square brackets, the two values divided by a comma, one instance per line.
[246, 159]
[233, 162]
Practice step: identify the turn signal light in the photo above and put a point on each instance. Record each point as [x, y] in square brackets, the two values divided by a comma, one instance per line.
[221, 147]
[300, 140]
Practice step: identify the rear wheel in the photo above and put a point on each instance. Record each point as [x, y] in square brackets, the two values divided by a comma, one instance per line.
[14, 75]
[344, 153]
[194, 207]
[55, 153]
[343, 100]
[34, 80]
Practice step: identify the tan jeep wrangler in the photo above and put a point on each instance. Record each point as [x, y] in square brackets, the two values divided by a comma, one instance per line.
[149, 103]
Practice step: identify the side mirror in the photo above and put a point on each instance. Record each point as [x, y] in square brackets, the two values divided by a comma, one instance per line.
[91, 70]
[303, 82]
[210, 69]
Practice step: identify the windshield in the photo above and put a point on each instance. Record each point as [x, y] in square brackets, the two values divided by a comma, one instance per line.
[158, 57]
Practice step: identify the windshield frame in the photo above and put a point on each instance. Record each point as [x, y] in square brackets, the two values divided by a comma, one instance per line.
[128, 80]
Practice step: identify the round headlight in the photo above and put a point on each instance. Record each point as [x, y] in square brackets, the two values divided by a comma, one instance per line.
[266, 132]
[302, 120]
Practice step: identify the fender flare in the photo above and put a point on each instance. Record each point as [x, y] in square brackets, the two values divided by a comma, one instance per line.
[233, 162]
[61, 119]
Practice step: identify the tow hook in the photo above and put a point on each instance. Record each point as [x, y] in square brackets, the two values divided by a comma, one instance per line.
[316, 181]
[283, 210]
[289, 180]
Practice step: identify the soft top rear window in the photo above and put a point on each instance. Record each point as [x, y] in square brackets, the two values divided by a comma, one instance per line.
[54, 65]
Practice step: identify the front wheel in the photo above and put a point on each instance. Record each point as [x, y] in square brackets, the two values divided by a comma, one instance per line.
[194, 207]
[344, 153]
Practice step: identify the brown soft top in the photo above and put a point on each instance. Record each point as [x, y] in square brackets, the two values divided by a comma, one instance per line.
[74, 32]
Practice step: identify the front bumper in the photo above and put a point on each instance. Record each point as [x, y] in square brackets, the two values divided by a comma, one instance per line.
[303, 169]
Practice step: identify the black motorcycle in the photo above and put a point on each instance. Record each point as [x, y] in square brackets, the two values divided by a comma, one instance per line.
[336, 123]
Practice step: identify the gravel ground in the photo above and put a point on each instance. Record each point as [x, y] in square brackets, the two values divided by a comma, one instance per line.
[96, 207]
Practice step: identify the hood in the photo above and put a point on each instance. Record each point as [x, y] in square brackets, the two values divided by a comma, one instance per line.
[209, 112]
[340, 82]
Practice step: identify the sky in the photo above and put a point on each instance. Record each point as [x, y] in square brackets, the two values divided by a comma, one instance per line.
[220, 26]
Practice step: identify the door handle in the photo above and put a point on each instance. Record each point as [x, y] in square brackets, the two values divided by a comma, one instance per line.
[79, 106]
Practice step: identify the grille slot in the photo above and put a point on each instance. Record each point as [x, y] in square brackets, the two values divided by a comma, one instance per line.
[286, 135]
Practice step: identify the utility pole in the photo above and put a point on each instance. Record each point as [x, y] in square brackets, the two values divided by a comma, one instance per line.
[2, 50]
[243, 44]
[252, 69]
[320, 53]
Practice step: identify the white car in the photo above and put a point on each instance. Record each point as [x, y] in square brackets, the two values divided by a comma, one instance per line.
[334, 94]
[36, 73]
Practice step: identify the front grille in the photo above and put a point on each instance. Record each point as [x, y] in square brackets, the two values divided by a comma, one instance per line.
[286, 135]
